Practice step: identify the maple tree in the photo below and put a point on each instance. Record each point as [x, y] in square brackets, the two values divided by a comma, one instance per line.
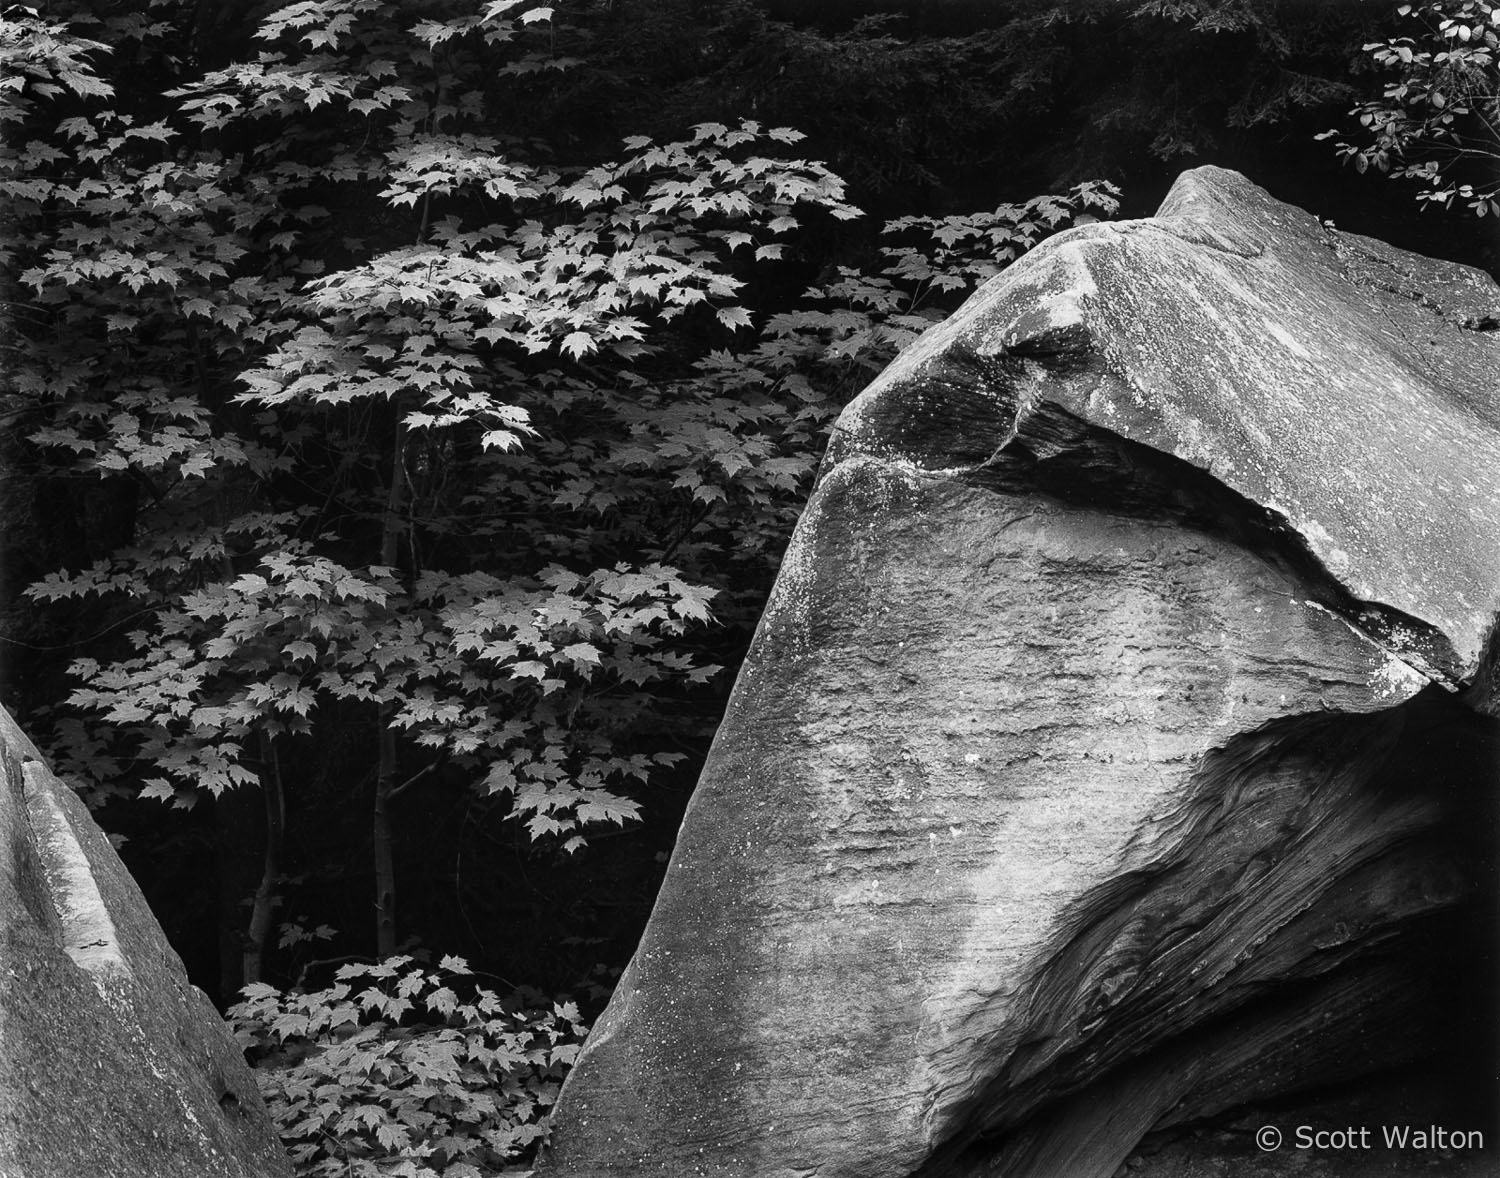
[396, 1062]
[465, 470]
[379, 426]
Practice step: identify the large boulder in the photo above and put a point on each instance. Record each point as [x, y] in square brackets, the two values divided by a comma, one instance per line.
[1119, 742]
[111, 1062]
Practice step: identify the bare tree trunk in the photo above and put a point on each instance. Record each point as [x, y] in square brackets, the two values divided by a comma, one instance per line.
[263, 908]
[385, 774]
[239, 831]
[385, 864]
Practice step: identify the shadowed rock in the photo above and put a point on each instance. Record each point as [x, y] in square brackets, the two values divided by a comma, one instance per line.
[1118, 745]
[111, 1062]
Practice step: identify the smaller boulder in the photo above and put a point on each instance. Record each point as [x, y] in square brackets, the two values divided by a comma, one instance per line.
[111, 1062]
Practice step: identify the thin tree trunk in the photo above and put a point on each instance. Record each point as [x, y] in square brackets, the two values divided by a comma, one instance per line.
[242, 843]
[385, 774]
[385, 864]
[239, 830]
[263, 908]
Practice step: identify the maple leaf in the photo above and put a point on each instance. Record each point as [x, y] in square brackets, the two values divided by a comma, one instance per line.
[578, 344]
[158, 789]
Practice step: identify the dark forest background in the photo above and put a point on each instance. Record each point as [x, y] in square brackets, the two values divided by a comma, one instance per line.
[406, 404]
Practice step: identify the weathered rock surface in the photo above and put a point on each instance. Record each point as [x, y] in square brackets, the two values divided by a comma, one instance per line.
[111, 1063]
[1119, 744]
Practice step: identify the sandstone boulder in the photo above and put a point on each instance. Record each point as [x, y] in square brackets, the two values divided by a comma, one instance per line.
[112, 1065]
[1119, 743]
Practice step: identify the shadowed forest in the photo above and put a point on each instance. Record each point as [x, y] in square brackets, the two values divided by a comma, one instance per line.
[407, 404]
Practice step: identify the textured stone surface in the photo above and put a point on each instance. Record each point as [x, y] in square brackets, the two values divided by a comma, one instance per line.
[1118, 743]
[111, 1063]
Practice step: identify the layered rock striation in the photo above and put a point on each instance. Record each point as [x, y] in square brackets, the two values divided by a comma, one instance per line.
[1119, 744]
[111, 1062]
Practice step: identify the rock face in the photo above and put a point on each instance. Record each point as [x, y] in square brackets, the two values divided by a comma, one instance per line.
[1119, 743]
[111, 1063]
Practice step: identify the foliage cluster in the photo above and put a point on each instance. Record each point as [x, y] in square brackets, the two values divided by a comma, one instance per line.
[379, 415]
[398, 1071]
[1437, 119]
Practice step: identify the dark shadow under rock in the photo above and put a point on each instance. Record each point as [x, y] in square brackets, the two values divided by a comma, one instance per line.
[1417, 1121]
[1329, 914]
